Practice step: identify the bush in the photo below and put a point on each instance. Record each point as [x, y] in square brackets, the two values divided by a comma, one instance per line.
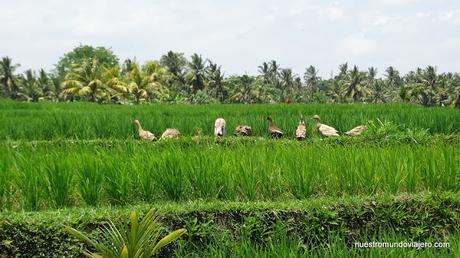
[416, 217]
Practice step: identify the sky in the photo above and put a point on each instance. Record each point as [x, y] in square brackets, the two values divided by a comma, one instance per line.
[240, 34]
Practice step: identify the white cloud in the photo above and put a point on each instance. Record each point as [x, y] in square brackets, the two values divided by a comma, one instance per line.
[357, 45]
[452, 16]
[239, 34]
[332, 11]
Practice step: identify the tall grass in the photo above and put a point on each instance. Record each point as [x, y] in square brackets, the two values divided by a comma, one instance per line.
[334, 247]
[35, 121]
[61, 175]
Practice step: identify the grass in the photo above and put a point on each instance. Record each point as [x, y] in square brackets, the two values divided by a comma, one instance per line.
[314, 228]
[45, 176]
[59, 157]
[47, 121]
[335, 247]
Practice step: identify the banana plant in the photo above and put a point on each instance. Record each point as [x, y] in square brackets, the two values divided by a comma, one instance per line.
[132, 240]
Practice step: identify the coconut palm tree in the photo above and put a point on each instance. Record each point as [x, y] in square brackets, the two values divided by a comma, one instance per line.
[354, 86]
[378, 91]
[215, 81]
[46, 84]
[139, 84]
[8, 78]
[425, 88]
[85, 80]
[343, 70]
[265, 72]
[311, 79]
[286, 84]
[334, 91]
[159, 76]
[196, 76]
[392, 75]
[243, 91]
[30, 89]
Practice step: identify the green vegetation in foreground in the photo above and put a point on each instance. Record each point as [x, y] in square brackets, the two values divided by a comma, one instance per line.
[47, 121]
[48, 176]
[314, 228]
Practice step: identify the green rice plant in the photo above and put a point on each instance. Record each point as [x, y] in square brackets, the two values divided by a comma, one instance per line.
[90, 181]
[38, 121]
[59, 182]
[129, 172]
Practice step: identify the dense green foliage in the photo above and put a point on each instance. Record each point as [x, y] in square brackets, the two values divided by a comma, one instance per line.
[316, 228]
[83, 54]
[81, 164]
[94, 74]
[49, 121]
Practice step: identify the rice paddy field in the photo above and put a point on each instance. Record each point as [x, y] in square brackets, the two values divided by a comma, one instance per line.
[82, 164]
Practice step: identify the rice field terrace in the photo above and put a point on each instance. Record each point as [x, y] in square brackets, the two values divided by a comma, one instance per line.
[81, 164]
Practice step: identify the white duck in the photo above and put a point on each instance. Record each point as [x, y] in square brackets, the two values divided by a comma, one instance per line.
[143, 134]
[357, 130]
[219, 127]
[170, 133]
[323, 129]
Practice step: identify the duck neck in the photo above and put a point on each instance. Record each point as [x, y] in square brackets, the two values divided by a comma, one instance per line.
[139, 127]
[270, 123]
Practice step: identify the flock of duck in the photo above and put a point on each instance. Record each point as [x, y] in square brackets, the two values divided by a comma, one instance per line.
[245, 130]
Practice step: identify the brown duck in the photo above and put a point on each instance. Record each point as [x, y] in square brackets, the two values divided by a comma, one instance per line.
[243, 130]
[301, 131]
[272, 129]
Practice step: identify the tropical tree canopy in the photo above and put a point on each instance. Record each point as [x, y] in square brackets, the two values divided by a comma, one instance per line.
[93, 74]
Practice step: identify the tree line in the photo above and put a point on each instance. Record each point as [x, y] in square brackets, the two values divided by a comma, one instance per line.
[95, 74]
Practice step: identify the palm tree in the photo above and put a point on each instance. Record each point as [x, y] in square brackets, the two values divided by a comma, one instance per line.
[8, 79]
[424, 89]
[158, 77]
[85, 80]
[371, 73]
[378, 93]
[243, 91]
[311, 79]
[455, 97]
[30, 89]
[265, 72]
[286, 84]
[139, 84]
[392, 76]
[215, 81]
[334, 92]
[354, 86]
[343, 70]
[176, 63]
[196, 75]
[45, 83]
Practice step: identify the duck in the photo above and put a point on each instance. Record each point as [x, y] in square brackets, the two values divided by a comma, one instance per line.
[219, 127]
[170, 133]
[243, 130]
[358, 130]
[272, 129]
[301, 131]
[325, 130]
[143, 134]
